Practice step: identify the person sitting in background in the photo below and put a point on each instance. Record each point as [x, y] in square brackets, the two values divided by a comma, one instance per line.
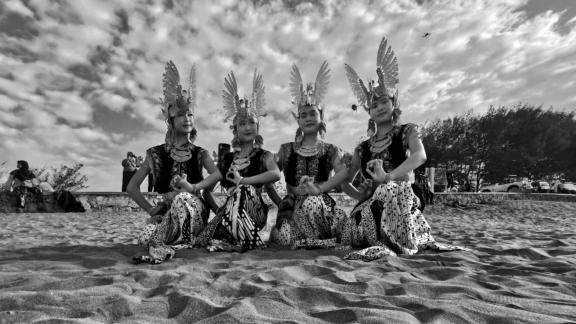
[20, 181]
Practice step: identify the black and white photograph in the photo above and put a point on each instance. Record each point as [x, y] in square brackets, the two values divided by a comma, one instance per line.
[288, 161]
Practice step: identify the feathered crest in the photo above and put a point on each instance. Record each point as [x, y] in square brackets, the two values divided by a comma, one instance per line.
[234, 106]
[314, 93]
[175, 98]
[387, 72]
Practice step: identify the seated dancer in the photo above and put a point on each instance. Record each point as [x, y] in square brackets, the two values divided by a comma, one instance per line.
[307, 216]
[21, 181]
[387, 218]
[176, 167]
[246, 170]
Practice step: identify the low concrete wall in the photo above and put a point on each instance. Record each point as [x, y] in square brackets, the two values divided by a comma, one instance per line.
[34, 203]
[121, 202]
[465, 198]
[116, 201]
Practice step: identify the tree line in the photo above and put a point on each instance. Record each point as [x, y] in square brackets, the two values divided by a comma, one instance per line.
[524, 140]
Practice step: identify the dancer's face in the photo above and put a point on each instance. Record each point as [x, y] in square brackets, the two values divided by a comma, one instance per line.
[309, 119]
[381, 110]
[184, 122]
[247, 129]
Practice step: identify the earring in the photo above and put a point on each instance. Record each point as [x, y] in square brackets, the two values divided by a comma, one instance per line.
[371, 128]
[299, 135]
[259, 141]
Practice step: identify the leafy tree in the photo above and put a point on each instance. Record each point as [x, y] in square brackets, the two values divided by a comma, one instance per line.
[63, 178]
[524, 140]
[2, 172]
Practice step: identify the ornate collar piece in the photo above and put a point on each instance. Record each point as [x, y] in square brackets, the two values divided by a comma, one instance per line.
[379, 144]
[182, 153]
[311, 150]
[241, 163]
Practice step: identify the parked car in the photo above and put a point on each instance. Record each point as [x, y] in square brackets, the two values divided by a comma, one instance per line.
[512, 185]
[540, 186]
[567, 187]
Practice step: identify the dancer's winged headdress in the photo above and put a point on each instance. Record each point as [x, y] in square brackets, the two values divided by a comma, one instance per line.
[236, 108]
[310, 94]
[175, 97]
[387, 72]
[176, 100]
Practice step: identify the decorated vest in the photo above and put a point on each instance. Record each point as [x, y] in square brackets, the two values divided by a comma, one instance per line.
[392, 156]
[256, 167]
[164, 168]
[296, 166]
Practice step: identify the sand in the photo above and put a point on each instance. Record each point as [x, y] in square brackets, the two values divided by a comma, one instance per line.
[76, 268]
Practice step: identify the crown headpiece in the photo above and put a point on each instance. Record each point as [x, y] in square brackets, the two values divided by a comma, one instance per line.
[313, 93]
[175, 98]
[234, 107]
[387, 72]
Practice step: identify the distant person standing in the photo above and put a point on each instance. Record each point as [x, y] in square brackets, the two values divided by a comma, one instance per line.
[130, 167]
[419, 187]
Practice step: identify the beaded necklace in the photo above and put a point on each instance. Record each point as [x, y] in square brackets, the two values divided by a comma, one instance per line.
[241, 163]
[181, 153]
[379, 144]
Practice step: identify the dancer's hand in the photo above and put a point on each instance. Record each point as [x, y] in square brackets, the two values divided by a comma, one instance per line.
[156, 214]
[234, 176]
[312, 188]
[184, 186]
[156, 219]
[156, 210]
[365, 189]
[376, 171]
[308, 187]
[300, 190]
[305, 180]
[175, 182]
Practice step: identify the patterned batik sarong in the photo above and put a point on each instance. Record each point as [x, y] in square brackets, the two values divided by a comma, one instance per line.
[308, 222]
[240, 220]
[181, 227]
[389, 223]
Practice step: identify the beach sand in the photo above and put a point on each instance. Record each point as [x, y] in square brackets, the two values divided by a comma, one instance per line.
[77, 268]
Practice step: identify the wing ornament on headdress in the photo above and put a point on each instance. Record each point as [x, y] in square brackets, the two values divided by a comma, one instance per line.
[296, 86]
[234, 106]
[321, 83]
[313, 93]
[387, 66]
[387, 73]
[230, 96]
[357, 85]
[174, 97]
[258, 99]
[192, 86]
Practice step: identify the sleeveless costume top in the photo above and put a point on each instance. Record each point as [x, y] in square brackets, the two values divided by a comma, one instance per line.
[393, 155]
[164, 168]
[295, 166]
[257, 165]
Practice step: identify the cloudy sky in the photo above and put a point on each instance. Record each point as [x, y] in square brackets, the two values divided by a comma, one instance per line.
[79, 79]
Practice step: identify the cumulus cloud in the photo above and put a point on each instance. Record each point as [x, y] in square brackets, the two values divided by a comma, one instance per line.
[80, 80]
